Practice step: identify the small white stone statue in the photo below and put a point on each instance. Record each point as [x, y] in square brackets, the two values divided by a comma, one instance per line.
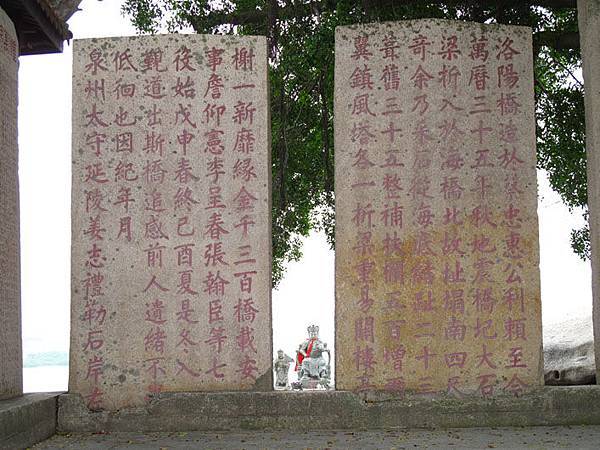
[281, 365]
[313, 370]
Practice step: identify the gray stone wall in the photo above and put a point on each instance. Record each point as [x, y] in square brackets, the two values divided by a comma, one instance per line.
[11, 366]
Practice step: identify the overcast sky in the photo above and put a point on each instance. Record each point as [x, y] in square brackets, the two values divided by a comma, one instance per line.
[305, 296]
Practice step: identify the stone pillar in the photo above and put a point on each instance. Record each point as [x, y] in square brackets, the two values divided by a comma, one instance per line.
[171, 217]
[437, 255]
[589, 25]
[11, 365]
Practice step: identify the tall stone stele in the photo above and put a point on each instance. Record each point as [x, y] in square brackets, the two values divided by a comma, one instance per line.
[171, 250]
[437, 276]
[11, 369]
[589, 23]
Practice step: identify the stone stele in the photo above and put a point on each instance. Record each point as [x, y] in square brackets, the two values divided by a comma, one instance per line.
[171, 238]
[11, 369]
[437, 278]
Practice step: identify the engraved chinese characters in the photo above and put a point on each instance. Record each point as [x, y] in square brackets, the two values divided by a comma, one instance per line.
[437, 278]
[10, 301]
[171, 217]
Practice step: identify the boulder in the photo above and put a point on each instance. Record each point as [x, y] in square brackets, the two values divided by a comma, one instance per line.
[569, 353]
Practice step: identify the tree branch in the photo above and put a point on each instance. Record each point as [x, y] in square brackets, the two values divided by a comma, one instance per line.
[328, 184]
[254, 16]
[569, 71]
[554, 39]
[557, 40]
[282, 152]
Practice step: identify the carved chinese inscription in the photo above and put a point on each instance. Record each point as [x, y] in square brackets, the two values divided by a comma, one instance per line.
[11, 377]
[171, 218]
[437, 278]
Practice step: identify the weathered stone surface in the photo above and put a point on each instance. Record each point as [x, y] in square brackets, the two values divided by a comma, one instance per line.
[472, 438]
[11, 365]
[437, 277]
[569, 353]
[589, 23]
[171, 255]
[27, 420]
[334, 410]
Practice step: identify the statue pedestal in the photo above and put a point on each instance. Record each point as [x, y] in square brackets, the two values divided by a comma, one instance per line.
[310, 384]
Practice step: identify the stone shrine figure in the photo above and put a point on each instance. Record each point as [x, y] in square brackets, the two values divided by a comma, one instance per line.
[313, 370]
[281, 365]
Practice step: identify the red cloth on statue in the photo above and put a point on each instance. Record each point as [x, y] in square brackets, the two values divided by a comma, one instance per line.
[308, 352]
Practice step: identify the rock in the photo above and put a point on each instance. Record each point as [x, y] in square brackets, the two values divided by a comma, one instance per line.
[569, 353]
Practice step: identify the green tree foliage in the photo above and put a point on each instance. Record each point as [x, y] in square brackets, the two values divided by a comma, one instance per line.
[301, 51]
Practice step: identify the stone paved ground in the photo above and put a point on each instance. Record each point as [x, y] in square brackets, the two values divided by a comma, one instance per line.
[579, 437]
